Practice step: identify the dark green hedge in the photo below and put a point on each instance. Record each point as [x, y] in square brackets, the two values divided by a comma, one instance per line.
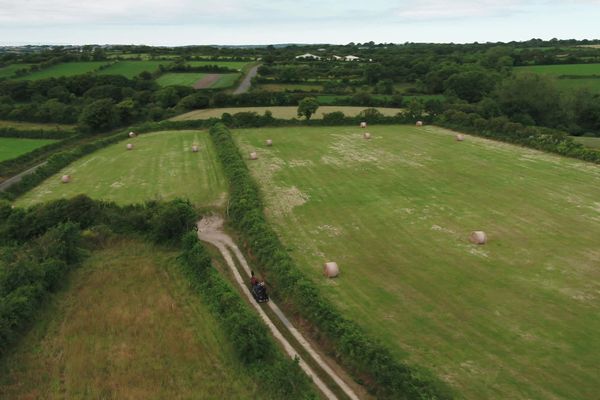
[282, 377]
[387, 377]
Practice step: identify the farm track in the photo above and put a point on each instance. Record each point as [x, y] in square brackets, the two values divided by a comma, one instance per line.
[210, 231]
[247, 81]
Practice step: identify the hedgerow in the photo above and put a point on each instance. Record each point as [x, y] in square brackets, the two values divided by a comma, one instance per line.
[387, 377]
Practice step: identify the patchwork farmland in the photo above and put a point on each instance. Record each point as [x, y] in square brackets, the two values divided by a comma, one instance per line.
[513, 318]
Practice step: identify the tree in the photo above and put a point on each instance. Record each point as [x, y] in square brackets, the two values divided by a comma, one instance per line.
[307, 107]
[99, 115]
[471, 86]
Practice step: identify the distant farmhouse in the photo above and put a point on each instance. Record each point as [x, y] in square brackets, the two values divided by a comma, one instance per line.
[308, 56]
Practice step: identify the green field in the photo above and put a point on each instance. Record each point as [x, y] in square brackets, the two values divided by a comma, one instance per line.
[239, 65]
[131, 69]
[190, 78]
[225, 81]
[65, 69]
[36, 125]
[9, 70]
[593, 142]
[180, 78]
[278, 112]
[161, 166]
[566, 69]
[127, 326]
[516, 318]
[14, 147]
[555, 71]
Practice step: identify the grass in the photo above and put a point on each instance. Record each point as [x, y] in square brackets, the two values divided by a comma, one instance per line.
[131, 69]
[190, 78]
[281, 87]
[64, 69]
[36, 125]
[14, 147]
[127, 326]
[329, 99]
[9, 70]
[180, 78]
[593, 142]
[278, 112]
[225, 81]
[161, 166]
[515, 318]
[238, 65]
[555, 71]
[566, 69]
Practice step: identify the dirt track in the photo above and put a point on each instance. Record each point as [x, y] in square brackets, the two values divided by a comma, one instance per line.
[207, 81]
[210, 230]
[245, 84]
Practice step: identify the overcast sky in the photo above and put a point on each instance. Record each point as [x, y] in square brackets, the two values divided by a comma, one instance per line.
[182, 22]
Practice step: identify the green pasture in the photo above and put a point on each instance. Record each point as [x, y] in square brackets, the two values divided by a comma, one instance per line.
[9, 70]
[239, 65]
[65, 69]
[126, 326]
[278, 112]
[161, 166]
[22, 125]
[556, 71]
[14, 147]
[131, 69]
[516, 318]
[180, 78]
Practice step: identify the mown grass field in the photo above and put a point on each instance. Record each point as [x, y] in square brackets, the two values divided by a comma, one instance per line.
[64, 69]
[593, 142]
[225, 81]
[278, 112]
[190, 78]
[555, 71]
[14, 147]
[180, 78]
[36, 126]
[160, 167]
[131, 69]
[239, 65]
[127, 326]
[9, 70]
[516, 318]
[566, 69]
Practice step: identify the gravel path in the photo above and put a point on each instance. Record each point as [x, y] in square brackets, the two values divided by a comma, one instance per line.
[210, 230]
[245, 85]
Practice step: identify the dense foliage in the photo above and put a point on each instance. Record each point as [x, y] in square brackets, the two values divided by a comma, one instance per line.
[384, 374]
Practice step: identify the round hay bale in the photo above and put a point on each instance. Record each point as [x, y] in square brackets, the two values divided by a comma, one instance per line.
[131, 134]
[65, 179]
[253, 156]
[478, 237]
[460, 137]
[194, 148]
[129, 146]
[367, 135]
[269, 142]
[419, 123]
[363, 124]
[331, 269]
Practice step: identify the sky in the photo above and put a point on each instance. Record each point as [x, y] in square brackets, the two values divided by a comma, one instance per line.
[228, 22]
